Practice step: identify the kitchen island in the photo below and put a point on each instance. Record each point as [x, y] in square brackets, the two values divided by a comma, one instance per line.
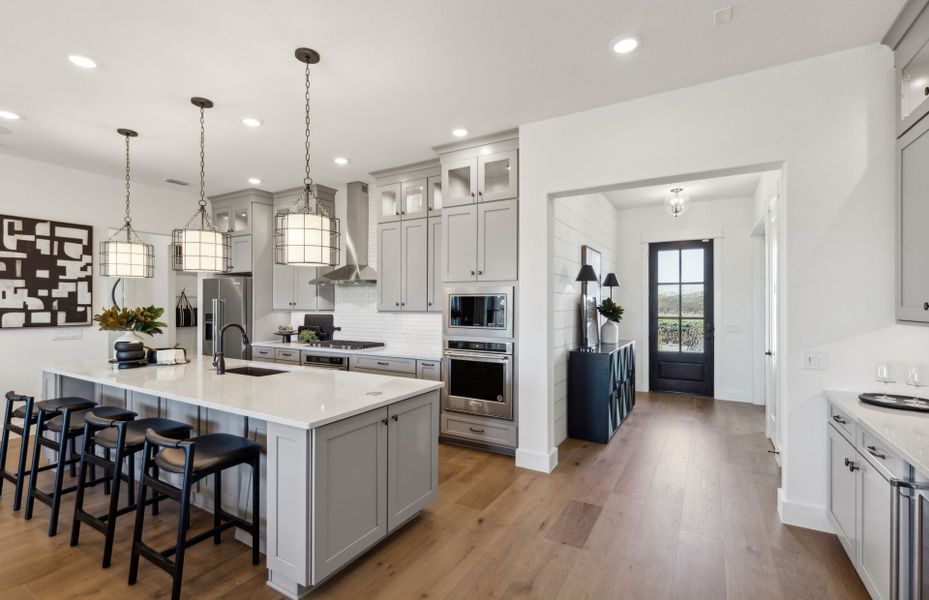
[350, 457]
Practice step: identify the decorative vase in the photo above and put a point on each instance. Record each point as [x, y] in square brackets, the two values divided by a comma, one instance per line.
[609, 332]
[127, 345]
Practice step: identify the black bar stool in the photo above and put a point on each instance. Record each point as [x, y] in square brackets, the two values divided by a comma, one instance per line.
[124, 437]
[68, 421]
[193, 459]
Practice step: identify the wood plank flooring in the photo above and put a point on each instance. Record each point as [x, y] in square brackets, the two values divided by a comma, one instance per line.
[681, 504]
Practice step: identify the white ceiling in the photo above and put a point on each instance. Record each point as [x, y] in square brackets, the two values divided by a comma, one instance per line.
[395, 77]
[716, 188]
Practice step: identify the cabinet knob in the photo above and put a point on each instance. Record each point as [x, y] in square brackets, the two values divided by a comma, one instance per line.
[472, 194]
[472, 272]
[925, 305]
[480, 194]
[396, 304]
[428, 303]
[403, 304]
[384, 421]
[852, 466]
[395, 418]
[480, 272]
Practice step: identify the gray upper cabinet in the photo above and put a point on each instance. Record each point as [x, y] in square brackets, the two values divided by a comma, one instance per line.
[459, 182]
[389, 256]
[233, 217]
[414, 270]
[388, 202]
[241, 258]
[912, 214]
[459, 243]
[497, 176]
[497, 241]
[434, 187]
[350, 487]
[414, 195]
[909, 39]
[413, 475]
[434, 293]
[283, 287]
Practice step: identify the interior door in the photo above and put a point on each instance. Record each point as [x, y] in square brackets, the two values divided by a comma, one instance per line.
[681, 317]
[771, 323]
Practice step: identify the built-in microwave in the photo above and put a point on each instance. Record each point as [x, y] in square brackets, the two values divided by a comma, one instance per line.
[479, 312]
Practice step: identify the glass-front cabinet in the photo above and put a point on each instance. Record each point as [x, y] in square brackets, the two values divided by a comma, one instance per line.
[233, 219]
[910, 43]
[388, 202]
[497, 176]
[434, 189]
[414, 194]
[459, 182]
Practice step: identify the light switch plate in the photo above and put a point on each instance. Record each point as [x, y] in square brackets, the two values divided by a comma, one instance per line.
[815, 360]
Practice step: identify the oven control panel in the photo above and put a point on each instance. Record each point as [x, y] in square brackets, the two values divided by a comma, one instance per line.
[500, 347]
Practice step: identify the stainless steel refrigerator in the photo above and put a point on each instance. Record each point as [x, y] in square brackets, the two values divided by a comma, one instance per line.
[233, 299]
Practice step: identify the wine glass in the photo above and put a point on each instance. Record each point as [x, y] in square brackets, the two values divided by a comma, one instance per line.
[884, 374]
[916, 378]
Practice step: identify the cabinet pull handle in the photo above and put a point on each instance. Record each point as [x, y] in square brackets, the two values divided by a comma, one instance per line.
[872, 450]
[395, 418]
[476, 429]
[839, 420]
[383, 364]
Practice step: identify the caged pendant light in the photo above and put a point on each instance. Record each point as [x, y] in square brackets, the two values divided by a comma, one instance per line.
[125, 254]
[306, 235]
[199, 247]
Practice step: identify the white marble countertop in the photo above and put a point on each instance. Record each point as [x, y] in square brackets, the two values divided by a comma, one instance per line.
[390, 350]
[905, 432]
[299, 397]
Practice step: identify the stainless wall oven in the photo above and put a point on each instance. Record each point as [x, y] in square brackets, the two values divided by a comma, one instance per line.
[479, 378]
[479, 312]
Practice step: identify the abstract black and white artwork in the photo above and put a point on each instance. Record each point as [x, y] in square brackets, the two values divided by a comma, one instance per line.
[46, 273]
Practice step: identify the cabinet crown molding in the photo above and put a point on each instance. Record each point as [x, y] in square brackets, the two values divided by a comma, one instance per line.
[425, 165]
[482, 140]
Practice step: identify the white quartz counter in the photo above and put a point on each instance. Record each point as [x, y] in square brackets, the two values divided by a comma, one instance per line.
[390, 350]
[905, 432]
[298, 397]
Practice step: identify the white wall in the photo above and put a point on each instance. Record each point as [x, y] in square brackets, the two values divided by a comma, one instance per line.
[830, 121]
[728, 222]
[40, 190]
[583, 220]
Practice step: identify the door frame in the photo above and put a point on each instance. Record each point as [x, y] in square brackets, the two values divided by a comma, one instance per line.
[710, 304]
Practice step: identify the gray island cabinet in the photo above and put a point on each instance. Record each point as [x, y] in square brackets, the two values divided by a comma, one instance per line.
[350, 457]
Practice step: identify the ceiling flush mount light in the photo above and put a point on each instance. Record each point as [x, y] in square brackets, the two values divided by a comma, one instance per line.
[459, 132]
[624, 45]
[340, 160]
[254, 181]
[677, 204]
[124, 254]
[9, 116]
[199, 247]
[82, 61]
[306, 235]
[251, 122]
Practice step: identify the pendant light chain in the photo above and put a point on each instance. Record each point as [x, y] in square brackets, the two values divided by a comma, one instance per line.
[307, 180]
[202, 202]
[128, 217]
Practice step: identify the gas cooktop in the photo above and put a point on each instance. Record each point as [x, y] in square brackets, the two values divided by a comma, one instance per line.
[345, 344]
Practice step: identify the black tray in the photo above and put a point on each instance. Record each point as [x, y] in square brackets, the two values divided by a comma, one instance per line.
[129, 364]
[896, 401]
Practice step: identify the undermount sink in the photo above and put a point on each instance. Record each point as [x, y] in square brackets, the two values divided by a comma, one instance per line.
[253, 371]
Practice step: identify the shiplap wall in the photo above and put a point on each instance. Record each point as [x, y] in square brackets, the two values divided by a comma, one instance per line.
[356, 305]
[579, 220]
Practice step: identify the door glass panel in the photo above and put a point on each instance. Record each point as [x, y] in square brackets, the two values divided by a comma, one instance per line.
[692, 335]
[669, 335]
[222, 220]
[459, 182]
[477, 380]
[241, 219]
[669, 267]
[413, 199]
[388, 202]
[691, 300]
[915, 82]
[436, 195]
[669, 300]
[692, 265]
[497, 176]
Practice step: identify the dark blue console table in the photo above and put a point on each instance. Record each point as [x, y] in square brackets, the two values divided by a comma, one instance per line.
[601, 390]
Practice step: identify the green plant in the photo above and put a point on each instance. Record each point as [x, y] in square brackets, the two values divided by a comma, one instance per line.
[306, 336]
[611, 310]
[141, 319]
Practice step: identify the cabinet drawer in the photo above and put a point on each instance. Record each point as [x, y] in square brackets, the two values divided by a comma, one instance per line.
[394, 365]
[478, 430]
[880, 456]
[429, 369]
[263, 353]
[843, 423]
[288, 356]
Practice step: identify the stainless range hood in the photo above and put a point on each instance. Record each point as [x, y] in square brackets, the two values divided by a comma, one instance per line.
[354, 239]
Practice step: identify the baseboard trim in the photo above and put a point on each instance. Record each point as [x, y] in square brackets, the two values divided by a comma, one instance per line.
[735, 396]
[808, 516]
[537, 461]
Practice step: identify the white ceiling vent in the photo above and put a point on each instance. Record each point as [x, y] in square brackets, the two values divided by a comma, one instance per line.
[177, 181]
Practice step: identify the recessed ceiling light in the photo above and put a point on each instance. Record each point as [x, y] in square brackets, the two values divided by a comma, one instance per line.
[251, 122]
[340, 160]
[254, 181]
[624, 45]
[459, 132]
[82, 61]
[10, 116]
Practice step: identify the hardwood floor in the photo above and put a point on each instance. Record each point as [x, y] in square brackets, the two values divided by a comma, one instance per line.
[681, 504]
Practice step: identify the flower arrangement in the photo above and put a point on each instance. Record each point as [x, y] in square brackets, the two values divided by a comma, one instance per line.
[611, 310]
[306, 336]
[141, 319]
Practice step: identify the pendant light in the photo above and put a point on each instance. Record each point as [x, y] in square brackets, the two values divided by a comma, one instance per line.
[677, 204]
[125, 254]
[199, 247]
[306, 235]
